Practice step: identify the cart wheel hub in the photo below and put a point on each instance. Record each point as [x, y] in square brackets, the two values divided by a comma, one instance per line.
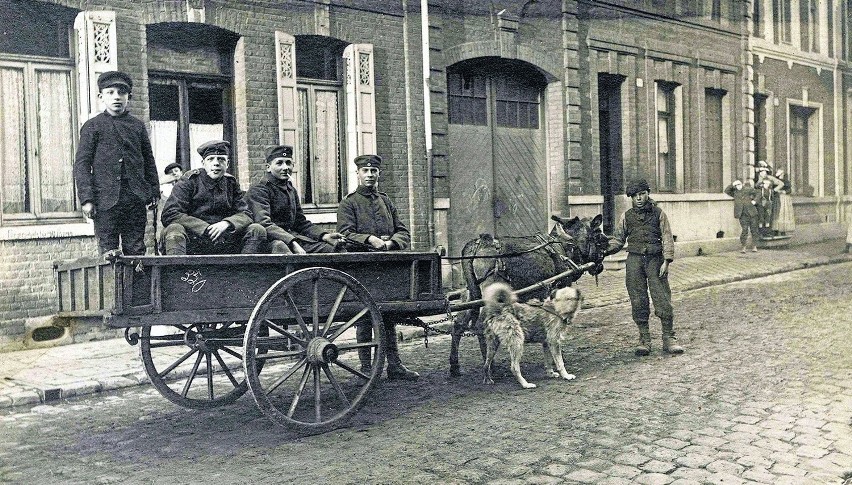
[321, 350]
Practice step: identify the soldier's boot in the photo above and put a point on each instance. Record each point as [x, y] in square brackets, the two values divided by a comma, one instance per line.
[669, 340]
[363, 333]
[644, 347]
[396, 370]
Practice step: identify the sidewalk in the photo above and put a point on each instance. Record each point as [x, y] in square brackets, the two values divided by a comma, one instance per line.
[44, 375]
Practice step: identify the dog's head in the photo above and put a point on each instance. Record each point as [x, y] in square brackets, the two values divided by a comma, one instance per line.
[566, 301]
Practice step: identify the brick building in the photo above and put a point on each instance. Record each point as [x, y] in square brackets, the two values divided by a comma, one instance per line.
[527, 108]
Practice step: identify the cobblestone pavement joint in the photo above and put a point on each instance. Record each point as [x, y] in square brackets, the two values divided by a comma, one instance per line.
[29, 377]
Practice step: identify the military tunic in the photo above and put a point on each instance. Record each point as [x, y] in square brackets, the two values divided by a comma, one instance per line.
[367, 212]
[275, 206]
[197, 201]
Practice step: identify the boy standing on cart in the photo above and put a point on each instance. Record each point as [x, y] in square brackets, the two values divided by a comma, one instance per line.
[369, 219]
[650, 248]
[206, 212]
[114, 170]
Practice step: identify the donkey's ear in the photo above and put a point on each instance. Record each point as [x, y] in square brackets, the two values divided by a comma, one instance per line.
[558, 219]
[597, 221]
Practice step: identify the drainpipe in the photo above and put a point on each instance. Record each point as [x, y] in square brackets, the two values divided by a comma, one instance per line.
[427, 118]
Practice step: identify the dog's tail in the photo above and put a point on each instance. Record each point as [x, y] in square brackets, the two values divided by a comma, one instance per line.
[498, 295]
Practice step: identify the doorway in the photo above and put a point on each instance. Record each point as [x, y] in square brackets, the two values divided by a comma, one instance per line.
[612, 164]
[498, 170]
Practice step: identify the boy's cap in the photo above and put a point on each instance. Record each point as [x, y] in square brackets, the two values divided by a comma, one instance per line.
[637, 185]
[214, 147]
[279, 151]
[368, 161]
[114, 78]
[171, 166]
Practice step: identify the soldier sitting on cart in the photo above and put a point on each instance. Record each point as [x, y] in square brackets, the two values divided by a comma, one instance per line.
[275, 205]
[368, 219]
[206, 213]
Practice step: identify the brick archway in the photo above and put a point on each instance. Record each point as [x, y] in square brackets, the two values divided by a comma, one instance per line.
[549, 66]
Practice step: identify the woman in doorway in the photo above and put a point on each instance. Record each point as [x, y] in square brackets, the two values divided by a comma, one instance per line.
[782, 210]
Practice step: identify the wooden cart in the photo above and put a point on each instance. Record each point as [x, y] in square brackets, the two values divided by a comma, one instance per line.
[211, 324]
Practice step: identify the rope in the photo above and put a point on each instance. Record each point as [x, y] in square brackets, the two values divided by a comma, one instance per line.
[503, 255]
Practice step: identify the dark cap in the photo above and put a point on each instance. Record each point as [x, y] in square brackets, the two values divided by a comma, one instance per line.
[171, 166]
[279, 151]
[368, 161]
[637, 185]
[114, 78]
[214, 147]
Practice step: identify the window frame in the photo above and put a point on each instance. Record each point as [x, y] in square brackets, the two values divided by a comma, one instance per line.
[667, 181]
[34, 215]
[311, 86]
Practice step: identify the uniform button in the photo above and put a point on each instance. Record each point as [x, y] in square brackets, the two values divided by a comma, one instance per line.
[120, 159]
[118, 177]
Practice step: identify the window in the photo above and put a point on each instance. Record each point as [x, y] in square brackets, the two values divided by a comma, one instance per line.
[319, 78]
[809, 25]
[186, 111]
[716, 10]
[714, 142]
[468, 104]
[37, 113]
[666, 137]
[517, 103]
[803, 170]
[783, 19]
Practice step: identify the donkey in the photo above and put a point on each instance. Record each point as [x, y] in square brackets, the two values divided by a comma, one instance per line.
[573, 242]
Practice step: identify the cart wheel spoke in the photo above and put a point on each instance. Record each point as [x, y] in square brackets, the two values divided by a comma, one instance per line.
[298, 393]
[333, 312]
[166, 351]
[352, 370]
[346, 326]
[336, 385]
[225, 369]
[177, 363]
[286, 332]
[317, 394]
[286, 376]
[192, 374]
[316, 387]
[299, 317]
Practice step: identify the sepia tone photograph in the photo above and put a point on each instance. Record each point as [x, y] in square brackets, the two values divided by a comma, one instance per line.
[426, 241]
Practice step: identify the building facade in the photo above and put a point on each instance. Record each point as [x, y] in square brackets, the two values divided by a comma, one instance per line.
[526, 108]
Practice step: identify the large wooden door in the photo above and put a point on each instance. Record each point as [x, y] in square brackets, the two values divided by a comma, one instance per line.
[498, 170]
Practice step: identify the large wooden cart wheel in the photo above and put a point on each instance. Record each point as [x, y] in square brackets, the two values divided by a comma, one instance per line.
[196, 366]
[315, 384]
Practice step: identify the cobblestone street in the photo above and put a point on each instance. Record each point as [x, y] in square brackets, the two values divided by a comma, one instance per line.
[763, 395]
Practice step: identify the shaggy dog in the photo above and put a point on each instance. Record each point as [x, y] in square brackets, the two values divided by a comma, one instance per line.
[511, 323]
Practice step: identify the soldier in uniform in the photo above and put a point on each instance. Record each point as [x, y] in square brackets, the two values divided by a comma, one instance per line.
[369, 219]
[207, 214]
[275, 205]
[650, 249]
[172, 173]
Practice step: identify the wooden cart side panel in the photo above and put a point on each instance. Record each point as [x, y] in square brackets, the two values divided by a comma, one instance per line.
[84, 287]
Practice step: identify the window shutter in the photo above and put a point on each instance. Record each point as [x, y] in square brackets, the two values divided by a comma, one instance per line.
[285, 71]
[96, 54]
[360, 105]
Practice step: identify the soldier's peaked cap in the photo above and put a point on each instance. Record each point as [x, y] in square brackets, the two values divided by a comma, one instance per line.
[279, 151]
[637, 185]
[114, 78]
[214, 147]
[368, 161]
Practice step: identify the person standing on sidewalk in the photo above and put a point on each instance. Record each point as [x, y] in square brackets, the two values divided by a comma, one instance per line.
[745, 209]
[646, 231]
[368, 217]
